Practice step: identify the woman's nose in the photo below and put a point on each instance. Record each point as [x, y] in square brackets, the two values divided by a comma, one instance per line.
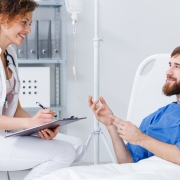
[28, 29]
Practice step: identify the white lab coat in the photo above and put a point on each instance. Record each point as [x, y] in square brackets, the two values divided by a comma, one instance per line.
[13, 106]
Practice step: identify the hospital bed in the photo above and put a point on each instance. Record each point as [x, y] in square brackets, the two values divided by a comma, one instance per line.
[146, 97]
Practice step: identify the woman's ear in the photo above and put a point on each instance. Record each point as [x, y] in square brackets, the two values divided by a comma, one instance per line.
[1, 16]
[3, 21]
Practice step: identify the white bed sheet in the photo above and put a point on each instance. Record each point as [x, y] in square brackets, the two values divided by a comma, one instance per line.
[153, 168]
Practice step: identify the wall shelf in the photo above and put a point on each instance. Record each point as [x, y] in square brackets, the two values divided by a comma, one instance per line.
[40, 61]
[58, 64]
[50, 3]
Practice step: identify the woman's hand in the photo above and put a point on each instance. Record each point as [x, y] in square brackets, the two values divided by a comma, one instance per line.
[103, 112]
[48, 134]
[42, 117]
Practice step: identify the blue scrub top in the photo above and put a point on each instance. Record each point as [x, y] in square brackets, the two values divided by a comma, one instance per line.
[163, 125]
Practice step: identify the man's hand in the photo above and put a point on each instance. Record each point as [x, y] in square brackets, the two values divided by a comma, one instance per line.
[127, 131]
[130, 133]
[48, 134]
[103, 112]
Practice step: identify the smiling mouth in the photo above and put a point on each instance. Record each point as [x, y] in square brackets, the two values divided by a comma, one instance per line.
[22, 36]
[169, 80]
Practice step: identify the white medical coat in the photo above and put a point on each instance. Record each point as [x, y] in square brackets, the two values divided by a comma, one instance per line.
[13, 106]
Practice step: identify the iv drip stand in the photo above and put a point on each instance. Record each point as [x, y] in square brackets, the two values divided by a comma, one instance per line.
[96, 130]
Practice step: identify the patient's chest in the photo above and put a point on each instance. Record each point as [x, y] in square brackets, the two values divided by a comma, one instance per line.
[167, 126]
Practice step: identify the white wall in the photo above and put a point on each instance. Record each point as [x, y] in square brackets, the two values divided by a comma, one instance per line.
[132, 30]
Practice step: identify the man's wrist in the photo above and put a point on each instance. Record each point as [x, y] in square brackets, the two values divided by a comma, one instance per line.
[110, 127]
[142, 140]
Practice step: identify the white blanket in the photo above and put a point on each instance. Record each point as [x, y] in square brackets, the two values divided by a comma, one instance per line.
[153, 168]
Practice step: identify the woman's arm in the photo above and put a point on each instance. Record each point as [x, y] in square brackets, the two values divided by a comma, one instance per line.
[19, 121]
[9, 123]
[22, 120]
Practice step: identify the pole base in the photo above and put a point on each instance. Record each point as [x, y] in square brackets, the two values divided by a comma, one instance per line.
[97, 132]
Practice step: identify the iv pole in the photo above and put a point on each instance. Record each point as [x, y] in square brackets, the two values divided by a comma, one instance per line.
[96, 130]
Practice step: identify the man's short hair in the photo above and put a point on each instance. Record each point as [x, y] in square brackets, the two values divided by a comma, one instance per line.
[176, 52]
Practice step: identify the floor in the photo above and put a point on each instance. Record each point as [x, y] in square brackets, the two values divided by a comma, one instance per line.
[19, 175]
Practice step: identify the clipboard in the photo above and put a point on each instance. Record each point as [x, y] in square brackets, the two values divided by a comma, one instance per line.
[52, 125]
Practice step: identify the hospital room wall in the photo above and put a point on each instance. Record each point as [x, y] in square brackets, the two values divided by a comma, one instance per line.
[132, 30]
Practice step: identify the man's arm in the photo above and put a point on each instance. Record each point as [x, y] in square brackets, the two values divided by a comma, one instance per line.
[122, 152]
[163, 150]
[103, 113]
[131, 133]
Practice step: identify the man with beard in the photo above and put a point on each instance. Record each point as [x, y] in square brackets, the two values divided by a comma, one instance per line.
[158, 134]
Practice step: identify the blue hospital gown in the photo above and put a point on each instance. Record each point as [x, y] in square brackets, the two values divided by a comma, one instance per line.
[163, 125]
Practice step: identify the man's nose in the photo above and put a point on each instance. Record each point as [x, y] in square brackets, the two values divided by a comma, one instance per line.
[169, 71]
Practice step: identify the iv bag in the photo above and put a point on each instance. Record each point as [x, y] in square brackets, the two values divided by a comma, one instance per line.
[74, 6]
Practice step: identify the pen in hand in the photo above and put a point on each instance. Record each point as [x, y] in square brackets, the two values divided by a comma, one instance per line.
[43, 107]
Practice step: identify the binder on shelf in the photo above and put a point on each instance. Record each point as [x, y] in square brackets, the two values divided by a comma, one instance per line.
[56, 39]
[44, 39]
[33, 41]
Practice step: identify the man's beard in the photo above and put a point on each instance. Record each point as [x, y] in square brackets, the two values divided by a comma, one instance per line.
[170, 89]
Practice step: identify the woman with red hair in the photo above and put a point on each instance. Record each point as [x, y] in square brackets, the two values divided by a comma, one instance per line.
[17, 153]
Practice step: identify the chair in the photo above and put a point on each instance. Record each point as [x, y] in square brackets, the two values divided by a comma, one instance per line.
[146, 95]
